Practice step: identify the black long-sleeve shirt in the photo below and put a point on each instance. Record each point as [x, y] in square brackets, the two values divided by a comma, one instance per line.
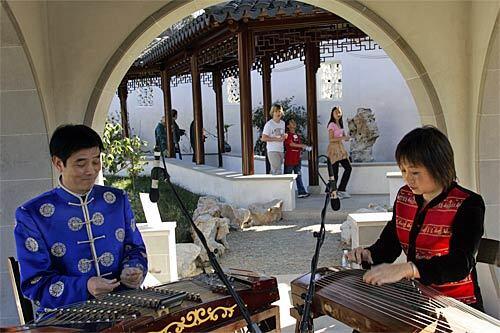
[467, 230]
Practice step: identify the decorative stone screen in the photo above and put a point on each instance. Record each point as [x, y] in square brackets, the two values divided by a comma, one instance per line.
[145, 96]
[331, 80]
[233, 90]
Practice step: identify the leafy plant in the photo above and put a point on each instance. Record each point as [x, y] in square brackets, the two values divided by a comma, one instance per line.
[122, 153]
[292, 111]
[167, 204]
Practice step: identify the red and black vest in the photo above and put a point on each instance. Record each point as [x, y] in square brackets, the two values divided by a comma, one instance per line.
[433, 237]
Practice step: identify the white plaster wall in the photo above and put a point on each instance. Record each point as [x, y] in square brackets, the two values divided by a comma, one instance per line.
[370, 79]
[25, 169]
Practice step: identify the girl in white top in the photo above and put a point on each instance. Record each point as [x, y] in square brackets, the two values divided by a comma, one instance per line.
[274, 135]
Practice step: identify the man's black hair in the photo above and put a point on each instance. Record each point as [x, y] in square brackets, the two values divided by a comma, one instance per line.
[68, 139]
[174, 112]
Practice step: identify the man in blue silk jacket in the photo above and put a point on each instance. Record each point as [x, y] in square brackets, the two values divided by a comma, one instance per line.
[78, 240]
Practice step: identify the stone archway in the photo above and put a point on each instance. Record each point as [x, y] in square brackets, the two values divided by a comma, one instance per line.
[394, 45]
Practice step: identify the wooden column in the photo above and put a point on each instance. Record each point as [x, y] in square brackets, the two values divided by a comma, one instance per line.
[122, 95]
[217, 85]
[167, 110]
[266, 96]
[312, 65]
[245, 49]
[197, 111]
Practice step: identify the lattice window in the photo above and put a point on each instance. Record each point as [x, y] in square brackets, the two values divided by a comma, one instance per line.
[145, 96]
[233, 90]
[331, 80]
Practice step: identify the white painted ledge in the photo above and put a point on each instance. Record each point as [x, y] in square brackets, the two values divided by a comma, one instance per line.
[233, 187]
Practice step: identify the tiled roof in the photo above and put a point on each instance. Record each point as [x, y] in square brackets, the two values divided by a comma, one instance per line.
[234, 10]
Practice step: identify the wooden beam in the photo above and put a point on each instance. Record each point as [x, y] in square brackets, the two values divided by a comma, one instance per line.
[122, 95]
[217, 85]
[266, 96]
[167, 111]
[312, 63]
[219, 105]
[245, 47]
[197, 111]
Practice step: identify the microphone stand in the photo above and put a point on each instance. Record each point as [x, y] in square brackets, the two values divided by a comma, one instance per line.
[306, 322]
[252, 327]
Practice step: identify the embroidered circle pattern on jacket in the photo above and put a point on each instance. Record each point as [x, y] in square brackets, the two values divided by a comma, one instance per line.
[107, 259]
[97, 218]
[31, 244]
[84, 265]
[56, 289]
[75, 223]
[58, 249]
[47, 210]
[109, 197]
[120, 234]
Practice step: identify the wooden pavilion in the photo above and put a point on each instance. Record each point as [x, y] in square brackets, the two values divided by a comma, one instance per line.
[231, 40]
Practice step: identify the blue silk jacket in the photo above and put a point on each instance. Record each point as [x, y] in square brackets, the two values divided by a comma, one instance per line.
[63, 239]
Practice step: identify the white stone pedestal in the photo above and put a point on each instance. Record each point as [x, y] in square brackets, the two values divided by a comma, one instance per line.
[365, 228]
[160, 245]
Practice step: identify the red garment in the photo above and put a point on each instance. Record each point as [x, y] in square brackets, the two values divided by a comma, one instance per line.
[434, 236]
[292, 154]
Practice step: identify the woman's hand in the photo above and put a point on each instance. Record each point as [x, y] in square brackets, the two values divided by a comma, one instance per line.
[388, 273]
[360, 254]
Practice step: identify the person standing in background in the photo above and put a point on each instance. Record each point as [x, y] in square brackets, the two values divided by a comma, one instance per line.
[274, 136]
[177, 133]
[293, 150]
[336, 151]
[161, 136]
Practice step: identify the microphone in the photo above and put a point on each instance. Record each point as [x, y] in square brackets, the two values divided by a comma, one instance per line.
[334, 199]
[154, 194]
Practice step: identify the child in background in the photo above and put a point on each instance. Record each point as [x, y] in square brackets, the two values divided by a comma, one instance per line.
[293, 149]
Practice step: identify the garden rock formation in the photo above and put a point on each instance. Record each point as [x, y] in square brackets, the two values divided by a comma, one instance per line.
[364, 132]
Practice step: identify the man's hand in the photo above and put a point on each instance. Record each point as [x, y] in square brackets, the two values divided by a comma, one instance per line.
[98, 285]
[388, 273]
[131, 277]
[360, 254]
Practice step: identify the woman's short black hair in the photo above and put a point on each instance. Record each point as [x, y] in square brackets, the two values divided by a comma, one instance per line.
[68, 139]
[429, 147]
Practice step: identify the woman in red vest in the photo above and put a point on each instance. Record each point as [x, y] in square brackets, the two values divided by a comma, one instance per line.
[436, 222]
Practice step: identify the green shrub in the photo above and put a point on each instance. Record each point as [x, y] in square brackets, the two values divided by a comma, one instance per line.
[167, 205]
[122, 153]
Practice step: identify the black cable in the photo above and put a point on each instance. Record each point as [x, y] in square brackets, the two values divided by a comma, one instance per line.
[252, 327]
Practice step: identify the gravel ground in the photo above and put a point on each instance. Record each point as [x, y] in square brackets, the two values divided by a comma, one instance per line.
[286, 247]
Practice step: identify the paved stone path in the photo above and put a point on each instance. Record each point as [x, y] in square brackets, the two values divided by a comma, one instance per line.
[287, 246]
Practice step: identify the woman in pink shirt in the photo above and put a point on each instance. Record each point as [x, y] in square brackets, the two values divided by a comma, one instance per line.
[336, 151]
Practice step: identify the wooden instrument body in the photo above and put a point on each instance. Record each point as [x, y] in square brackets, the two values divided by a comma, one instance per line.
[343, 309]
[206, 307]
[406, 306]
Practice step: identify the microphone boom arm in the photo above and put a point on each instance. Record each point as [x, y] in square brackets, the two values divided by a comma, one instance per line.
[252, 327]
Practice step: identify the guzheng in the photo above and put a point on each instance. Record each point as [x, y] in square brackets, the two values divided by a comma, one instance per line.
[197, 304]
[405, 306]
